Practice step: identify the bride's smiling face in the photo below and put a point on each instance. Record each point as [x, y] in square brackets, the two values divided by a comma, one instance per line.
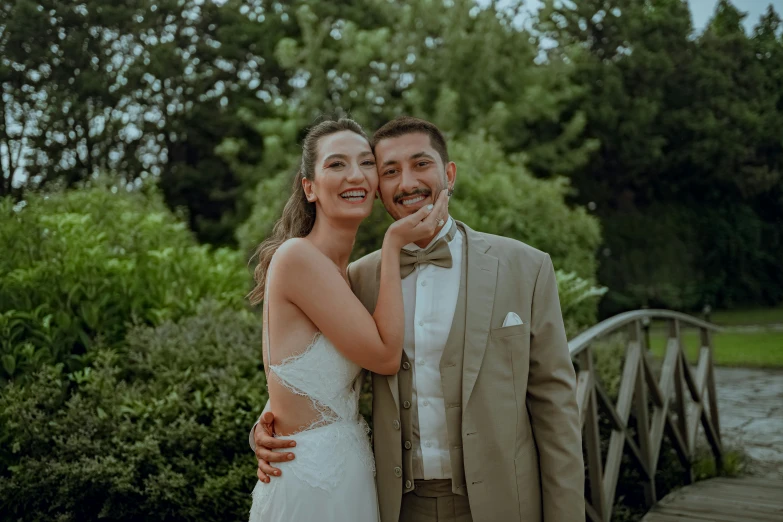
[345, 178]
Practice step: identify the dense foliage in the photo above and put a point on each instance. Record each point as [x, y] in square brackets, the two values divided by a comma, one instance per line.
[688, 178]
[156, 431]
[84, 265]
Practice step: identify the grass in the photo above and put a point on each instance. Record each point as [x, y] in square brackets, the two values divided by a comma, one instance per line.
[755, 348]
[759, 349]
[751, 316]
[735, 462]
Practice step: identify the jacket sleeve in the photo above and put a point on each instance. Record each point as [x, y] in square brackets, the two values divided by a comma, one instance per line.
[551, 402]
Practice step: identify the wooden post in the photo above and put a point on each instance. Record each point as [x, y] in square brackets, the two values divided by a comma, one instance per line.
[679, 398]
[712, 406]
[642, 419]
[593, 440]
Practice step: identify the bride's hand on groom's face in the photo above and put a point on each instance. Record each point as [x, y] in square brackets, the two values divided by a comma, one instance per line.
[422, 224]
[265, 444]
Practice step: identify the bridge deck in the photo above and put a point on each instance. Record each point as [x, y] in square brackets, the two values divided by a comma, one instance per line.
[722, 500]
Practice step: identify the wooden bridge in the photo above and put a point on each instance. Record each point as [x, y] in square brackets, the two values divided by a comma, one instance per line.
[673, 399]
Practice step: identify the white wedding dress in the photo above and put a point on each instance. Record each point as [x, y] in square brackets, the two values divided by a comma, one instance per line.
[332, 477]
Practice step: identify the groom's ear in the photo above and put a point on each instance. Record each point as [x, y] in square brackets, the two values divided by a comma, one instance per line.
[451, 175]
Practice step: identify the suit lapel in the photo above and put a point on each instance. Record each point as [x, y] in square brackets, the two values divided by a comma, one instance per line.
[482, 273]
[390, 379]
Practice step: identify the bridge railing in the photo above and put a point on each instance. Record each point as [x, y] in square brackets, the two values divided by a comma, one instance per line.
[681, 397]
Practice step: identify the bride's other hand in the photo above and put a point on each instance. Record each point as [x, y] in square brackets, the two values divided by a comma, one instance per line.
[263, 435]
[422, 224]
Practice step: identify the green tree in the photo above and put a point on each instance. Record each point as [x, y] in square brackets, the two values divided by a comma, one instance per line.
[135, 90]
[687, 177]
[461, 65]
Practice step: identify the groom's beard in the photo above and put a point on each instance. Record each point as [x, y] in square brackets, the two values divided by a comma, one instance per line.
[422, 191]
[426, 192]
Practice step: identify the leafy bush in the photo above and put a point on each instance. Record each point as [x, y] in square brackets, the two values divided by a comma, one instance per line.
[157, 434]
[79, 265]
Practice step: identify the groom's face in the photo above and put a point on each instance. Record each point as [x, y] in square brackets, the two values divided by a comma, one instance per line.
[411, 173]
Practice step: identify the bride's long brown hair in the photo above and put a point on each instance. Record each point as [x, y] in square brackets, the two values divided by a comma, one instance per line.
[298, 214]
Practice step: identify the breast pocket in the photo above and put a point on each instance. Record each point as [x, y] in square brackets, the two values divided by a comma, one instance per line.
[510, 331]
[512, 346]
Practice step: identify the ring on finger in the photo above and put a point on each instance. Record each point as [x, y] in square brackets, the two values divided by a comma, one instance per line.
[441, 222]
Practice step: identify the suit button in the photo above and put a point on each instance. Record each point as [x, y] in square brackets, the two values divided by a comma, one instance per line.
[406, 404]
[408, 484]
[406, 365]
[396, 424]
[408, 444]
[398, 471]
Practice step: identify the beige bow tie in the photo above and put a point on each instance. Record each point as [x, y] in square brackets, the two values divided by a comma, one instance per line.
[438, 254]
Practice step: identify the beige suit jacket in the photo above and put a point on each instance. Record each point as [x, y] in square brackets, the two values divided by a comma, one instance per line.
[522, 445]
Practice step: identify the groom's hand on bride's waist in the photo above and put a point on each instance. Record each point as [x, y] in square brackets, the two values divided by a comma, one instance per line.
[265, 444]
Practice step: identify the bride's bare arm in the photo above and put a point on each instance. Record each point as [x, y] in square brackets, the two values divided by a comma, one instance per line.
[311, 282]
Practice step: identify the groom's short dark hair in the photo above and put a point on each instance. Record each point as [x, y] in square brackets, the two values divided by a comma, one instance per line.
[402, 125]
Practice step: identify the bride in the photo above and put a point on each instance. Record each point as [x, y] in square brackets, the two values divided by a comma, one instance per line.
[318, 336]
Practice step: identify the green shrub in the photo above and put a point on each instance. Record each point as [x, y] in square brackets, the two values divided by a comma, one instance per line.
[83, 264]
[158, 433]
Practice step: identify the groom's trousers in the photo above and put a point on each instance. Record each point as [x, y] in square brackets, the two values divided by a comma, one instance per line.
[433, 501]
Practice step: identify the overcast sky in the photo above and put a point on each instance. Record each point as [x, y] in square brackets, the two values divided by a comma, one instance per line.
[702, 10]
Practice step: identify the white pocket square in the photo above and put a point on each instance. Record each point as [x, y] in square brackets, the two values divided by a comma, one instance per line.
[512, 319]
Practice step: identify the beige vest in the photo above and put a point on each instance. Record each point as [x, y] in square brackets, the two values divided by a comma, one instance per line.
[451, 381]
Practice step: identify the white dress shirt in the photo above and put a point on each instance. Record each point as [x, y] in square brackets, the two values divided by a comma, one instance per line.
[430, 297]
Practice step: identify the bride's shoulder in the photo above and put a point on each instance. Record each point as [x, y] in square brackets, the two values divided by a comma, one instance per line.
[298, 257]
[293, 246]
[296, 250]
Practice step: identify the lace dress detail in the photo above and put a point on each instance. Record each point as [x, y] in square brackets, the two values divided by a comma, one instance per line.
[334, 465]
[326, 377]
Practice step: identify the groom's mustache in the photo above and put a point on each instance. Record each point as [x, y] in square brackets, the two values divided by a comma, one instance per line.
[422, 191]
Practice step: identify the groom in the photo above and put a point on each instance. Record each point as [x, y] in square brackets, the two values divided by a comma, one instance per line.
[481, 422]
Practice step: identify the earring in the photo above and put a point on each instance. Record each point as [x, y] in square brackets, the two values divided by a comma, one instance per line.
[451, 191]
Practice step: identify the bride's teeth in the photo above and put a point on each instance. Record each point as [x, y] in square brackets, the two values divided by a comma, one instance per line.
[354, 195]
